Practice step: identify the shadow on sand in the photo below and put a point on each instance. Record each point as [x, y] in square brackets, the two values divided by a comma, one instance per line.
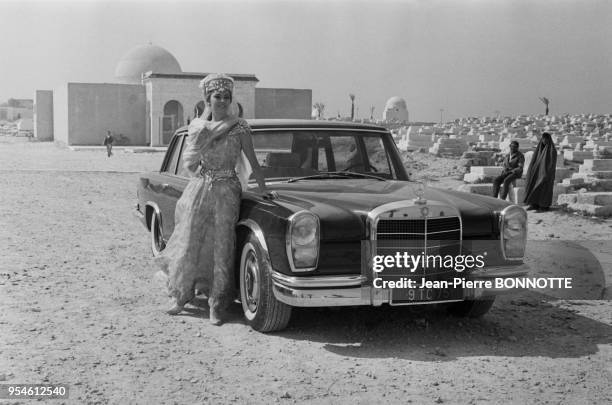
[550, 323]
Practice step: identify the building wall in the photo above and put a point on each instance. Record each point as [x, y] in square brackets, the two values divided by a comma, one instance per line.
[186, 91]
[244, 93]
[283, 103]
[60, 114]
[148, 117]
[15, 113]
[95, 108]
[26, 103]
[43, 115]
[162, 90]
[395, 113]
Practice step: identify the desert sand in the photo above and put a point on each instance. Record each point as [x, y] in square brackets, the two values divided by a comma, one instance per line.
[81, 307]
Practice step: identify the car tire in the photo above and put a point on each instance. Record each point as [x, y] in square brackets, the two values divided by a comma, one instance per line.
[471, 308]
[157, 240]
[262, 311]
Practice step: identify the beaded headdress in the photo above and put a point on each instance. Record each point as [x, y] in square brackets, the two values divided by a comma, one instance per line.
[217, 81]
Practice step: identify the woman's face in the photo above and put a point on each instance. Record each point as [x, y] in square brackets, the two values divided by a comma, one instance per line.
[220, 101]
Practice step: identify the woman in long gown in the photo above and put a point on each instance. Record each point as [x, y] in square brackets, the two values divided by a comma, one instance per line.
[541, 175]
[202, 247]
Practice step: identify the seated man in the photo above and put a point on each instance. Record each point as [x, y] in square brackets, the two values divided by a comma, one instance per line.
[513, 169]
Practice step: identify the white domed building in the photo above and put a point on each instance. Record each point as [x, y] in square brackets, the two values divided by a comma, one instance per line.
[142, 59]
[149, 99]
[395, 110]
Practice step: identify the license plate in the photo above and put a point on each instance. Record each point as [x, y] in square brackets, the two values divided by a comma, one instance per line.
[414, 295]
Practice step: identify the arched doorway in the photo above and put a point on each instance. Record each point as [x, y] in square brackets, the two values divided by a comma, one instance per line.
[171, 120]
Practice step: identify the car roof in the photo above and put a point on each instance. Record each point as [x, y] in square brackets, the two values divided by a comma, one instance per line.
[260, 123]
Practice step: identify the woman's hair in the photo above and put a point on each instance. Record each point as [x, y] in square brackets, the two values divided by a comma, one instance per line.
[207, 97]
[546, 137]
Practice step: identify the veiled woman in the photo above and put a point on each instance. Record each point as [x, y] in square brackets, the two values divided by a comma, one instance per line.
[202, 247]
[541, 175]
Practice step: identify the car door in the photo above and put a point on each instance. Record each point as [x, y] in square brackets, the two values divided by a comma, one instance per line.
[169, 185]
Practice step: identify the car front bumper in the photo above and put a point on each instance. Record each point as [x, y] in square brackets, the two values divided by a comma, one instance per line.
[353, 290]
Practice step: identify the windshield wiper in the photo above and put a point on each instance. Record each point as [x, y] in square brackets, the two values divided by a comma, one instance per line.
[337, 175]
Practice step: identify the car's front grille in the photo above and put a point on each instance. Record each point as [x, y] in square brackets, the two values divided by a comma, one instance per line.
[446, 228]
[417, 237]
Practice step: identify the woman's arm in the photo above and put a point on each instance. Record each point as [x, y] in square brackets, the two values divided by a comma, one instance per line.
[191, 152]
[247, 147]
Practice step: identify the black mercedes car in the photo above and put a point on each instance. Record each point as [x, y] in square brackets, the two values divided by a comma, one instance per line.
[345, 203]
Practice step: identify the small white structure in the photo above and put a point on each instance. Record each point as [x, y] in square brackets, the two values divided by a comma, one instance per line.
[395, 110]
[25, 125]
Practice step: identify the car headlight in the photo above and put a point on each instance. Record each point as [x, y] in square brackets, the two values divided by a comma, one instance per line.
[303, 241]
[513, 232]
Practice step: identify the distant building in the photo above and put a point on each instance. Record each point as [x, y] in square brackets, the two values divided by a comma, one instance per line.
[150, 99]
[15, 109]
[395, 110]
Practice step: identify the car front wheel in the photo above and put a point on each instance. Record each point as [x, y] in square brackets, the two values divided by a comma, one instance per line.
[471, 308]
[262, 310]
[157, 240]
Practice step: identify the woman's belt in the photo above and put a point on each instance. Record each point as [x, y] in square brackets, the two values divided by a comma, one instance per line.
[217, 173]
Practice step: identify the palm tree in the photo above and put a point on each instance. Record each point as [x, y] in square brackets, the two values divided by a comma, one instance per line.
[320, 107]
[352, 96]
[546, 102]
[372, 113]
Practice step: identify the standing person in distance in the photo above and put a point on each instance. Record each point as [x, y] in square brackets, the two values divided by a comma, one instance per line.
[541, 175]
[108, 142]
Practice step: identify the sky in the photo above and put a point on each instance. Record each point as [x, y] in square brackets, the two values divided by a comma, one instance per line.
[467, 58]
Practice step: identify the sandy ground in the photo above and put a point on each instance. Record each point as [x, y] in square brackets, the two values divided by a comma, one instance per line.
[80, 307]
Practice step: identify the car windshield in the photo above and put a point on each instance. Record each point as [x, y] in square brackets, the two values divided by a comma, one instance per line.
[307, 154]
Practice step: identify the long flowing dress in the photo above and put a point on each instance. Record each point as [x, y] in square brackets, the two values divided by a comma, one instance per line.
[541, 175]
[201, 249]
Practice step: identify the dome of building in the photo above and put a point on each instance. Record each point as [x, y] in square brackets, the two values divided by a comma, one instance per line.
[396, 102]
[142, 59]
[395, 110]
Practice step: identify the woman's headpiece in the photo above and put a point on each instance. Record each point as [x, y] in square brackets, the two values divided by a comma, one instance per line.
[217, 81]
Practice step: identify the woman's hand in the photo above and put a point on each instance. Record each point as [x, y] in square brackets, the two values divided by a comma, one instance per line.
[266, 193]
[270, 195]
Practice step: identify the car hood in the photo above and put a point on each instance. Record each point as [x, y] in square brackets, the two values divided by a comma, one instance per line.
[343, 205]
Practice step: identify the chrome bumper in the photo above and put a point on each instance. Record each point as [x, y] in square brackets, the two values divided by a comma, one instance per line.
[352, 290]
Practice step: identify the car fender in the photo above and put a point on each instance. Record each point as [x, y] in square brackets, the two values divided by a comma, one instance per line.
[254, 227]
[152, 205]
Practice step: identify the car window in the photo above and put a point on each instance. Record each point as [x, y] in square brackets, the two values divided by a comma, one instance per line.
[268, 144]
[346, 153]
[175, 150]
[181, 171]
[377, 156]
[296, 153]
[322, 160]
